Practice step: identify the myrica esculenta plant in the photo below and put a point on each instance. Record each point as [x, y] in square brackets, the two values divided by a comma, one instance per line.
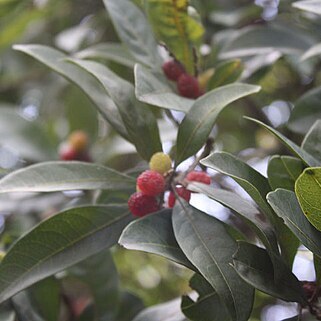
[233, 261]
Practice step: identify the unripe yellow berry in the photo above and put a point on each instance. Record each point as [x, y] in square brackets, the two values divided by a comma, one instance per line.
[78, 140]
[160, 163]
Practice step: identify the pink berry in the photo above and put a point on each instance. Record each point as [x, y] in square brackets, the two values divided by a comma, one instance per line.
[140, 204]
[188, 86]
[151, 183]
[182, 192]
[173, 69]
[201, 177]
[68, 153]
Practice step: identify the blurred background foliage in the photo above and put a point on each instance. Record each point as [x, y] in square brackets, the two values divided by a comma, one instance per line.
[264, 40]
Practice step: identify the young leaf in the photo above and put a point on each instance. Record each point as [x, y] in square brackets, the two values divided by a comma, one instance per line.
[173, 26]
[59, 242]
[306, 111]
[312, 52]
[312, 141]
[313, 6]
[134, 31]
[199, 121]
[306, 157]
[286, 205]
[308, 192]
[208, 301]
[254, 265]
[255, 184]
[209, 247]
[139, 120]
[153, 89]
[64, 176]
[154, 234]
[283, 171]
[55, 60]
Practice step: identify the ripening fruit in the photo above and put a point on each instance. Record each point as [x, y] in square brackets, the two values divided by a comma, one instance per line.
[160, 163]
[78, 140]
[197, 176]
[188, 86]
[182, 192]
[173, 69]
[67, 153]
[151, 183]
[141, 204]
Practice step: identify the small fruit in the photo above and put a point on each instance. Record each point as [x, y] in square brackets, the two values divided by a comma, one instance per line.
[188, 86]
[196, 176]
[160, 163]
[141, 204]
[67, 153]
[151, 183]
[78, 140]
[182, 192]
[173, 69]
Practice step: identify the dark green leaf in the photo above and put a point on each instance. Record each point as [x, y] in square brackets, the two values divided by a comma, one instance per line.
[59, 242]
[306, 157]
[199, 121]
[306, 111]
[317, 268]
[152, 88]
[283, 171]
[208, 301]
[154, 234]
[254, 265]
[312, 141]
[55, 60]
[209, 247]
[134, 31]
[287, 207]
[295, 318]
[63, 176]
[130, 306]
[308, 192]
[312, 52]
[139, 120]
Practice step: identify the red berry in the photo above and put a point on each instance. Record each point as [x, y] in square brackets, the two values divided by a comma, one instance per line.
[151, 183]
[201, 177]
[173, 69]
[182, 192]
[68, 153]
[188, 86]
[141, 204]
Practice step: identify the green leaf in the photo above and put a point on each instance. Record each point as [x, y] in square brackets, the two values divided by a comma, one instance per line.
[134, 31]
[317, 269]
[306, 111]
[308, 192]
[199, 121]
[306, 157]
[59, 242]
[295, 318]
[312, 141]
[174, 27]
[252, 41]
[287, 207]
[152, 88]
[55, 60]
[208, 301]
[255, 184]
[154, 234]
[254, 265]
[313, 6]
[100, 274]
[130, 306]
[209, 247]
[244, 209]
[28, 138]
[108, 51]
[283, 171]
[169, 311]
[312, 52]
[139, 120]
[8, 316]
[226, 73]
[64, 176]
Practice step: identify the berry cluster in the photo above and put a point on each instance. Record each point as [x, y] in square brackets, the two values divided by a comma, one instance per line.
[75, 147]
[187, 85]
[152, 183]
